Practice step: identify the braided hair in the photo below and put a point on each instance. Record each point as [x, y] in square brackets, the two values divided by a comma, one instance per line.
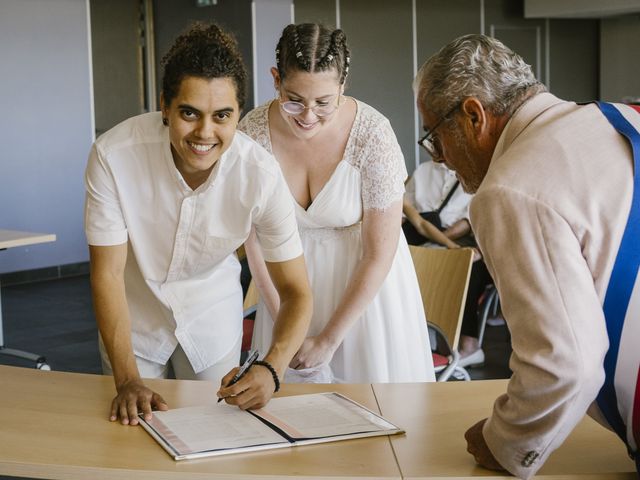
[205, 51]
[311, 47]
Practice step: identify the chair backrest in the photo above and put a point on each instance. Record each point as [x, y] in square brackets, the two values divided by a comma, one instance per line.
[443, 276]
[252, 296]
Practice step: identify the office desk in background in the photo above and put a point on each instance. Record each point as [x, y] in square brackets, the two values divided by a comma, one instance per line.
[9, 239]
[54, 425]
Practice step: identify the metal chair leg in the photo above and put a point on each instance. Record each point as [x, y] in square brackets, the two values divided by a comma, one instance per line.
[490, 301]
[39, 360]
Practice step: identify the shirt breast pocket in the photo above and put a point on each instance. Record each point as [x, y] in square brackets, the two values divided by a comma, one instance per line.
[217, 248]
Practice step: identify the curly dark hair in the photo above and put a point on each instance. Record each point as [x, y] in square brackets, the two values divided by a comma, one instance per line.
[204, 51]
[312, 47]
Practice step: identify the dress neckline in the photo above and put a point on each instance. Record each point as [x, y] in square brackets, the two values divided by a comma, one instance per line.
[347, 148]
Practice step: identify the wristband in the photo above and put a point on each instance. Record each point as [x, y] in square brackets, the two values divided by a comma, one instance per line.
[268, 366]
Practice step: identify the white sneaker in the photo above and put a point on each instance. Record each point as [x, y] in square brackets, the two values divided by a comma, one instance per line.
[496, 321]
[474, 359]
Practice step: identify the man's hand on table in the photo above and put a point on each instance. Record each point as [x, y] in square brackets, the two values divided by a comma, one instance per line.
[477, 447]
[133, 398]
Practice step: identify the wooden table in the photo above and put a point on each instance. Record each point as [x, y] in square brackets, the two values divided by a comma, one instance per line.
[9, 239]
[436, 416]
[54, 425]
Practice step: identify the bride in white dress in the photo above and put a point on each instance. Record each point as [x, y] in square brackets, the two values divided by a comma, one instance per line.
[346, 173]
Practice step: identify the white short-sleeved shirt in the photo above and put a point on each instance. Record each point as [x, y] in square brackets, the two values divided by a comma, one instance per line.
[182, 274]
[429, 186]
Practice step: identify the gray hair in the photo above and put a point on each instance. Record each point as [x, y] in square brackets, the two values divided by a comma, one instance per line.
[479, 66]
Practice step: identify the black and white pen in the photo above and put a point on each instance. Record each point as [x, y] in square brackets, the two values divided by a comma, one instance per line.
[251, 358]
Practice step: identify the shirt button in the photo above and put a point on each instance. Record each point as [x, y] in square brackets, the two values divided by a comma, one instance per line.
[530, 458]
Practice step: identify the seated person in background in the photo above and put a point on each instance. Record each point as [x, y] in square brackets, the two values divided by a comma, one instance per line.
[346, 172]
[170, 196]
[437, 210]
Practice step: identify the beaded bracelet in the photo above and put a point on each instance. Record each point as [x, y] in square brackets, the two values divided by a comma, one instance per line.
[268, 366]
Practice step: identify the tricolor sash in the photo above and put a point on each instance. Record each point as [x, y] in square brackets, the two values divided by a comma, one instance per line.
[619, 397]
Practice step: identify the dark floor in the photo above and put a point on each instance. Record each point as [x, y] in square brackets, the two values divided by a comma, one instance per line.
[55, 319]
[52, 318]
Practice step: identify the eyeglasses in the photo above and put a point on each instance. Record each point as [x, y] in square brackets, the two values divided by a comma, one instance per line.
[319, 109]
[430, 141]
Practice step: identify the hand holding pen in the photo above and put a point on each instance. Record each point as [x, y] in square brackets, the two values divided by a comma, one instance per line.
[251, 358]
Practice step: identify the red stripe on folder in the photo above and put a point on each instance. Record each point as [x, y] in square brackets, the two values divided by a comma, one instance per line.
[170, 436]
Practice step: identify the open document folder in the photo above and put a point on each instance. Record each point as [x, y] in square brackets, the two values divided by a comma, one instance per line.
[195, 432]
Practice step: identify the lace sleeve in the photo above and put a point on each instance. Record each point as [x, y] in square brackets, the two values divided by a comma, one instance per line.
[256, 124]
[383, 170]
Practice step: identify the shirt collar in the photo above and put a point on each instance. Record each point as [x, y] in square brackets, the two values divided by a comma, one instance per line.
[215, 172]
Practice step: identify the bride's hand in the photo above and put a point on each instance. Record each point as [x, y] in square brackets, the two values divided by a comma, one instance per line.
[314, 351]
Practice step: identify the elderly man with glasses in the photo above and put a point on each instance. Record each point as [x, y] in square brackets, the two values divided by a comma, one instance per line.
[553, 184]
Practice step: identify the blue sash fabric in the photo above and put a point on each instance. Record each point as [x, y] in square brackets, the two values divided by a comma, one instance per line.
[621, 284]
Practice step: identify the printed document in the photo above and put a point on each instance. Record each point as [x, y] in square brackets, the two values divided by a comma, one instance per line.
[219, 429]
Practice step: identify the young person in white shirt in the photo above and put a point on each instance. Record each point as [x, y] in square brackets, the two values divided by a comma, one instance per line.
[170, 196]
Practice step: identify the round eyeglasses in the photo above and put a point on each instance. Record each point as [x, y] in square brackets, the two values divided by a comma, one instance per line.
[430, 140]
[319, 109]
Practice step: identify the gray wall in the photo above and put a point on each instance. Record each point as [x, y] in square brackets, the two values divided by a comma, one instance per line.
[269, 18]
[620, 69]
[46, 128]
[316, 11]
[574, 59]
[579, 8]
[173, 17]
[117, 61]
[563, 53]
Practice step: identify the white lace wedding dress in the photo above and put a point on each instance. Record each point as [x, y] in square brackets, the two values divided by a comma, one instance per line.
[389, 343]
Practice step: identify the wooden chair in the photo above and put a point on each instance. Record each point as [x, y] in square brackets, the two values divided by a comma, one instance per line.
[443, 276]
